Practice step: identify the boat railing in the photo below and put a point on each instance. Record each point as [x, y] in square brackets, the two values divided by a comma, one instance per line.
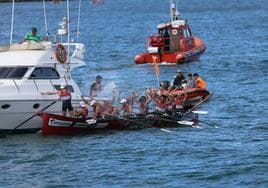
[15, 83]
[76, 50]
[157, 41]
[34, 81]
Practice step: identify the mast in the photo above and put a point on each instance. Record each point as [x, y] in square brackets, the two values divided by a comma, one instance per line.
[45, 17]
[171, 6]
[78, 21]
[12, 22]
[68, 31]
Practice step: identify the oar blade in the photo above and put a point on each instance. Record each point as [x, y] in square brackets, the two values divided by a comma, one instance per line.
[166, 130]
[200, 112]
[189, 123]
[91, 121]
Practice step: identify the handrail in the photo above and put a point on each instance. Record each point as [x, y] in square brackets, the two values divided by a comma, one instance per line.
[16, 85]
[35, 85]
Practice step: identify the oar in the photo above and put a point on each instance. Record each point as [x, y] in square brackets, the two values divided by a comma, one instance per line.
[166, 130]
[31, 117]
[210, 124]
[91, 121]
[139, 123]
[200, 112]
[183, 122]
[200, 102]
[176, 120]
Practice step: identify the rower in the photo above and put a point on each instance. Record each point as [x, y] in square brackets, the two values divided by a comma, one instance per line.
[143, 103]
[161, 102]
[126, 105]
[82, 111]
[179, 100]
[97, 109]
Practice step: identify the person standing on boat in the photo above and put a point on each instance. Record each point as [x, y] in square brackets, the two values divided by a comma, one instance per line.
[199, 82]
[65, 97]
[190, 81]
[32, 36]
[96, 86]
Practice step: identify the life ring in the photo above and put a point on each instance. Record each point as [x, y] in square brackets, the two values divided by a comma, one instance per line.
[61, 54]
[174, 32]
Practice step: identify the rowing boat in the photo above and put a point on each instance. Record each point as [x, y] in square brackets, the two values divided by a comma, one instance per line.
[61, 125]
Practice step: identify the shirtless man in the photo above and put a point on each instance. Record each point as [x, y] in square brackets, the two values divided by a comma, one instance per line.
[82, 111]
[96, 86]
[143, 105]
[126, 105]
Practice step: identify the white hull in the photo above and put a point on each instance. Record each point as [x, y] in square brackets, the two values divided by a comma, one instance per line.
[20, 110]
[26, 74]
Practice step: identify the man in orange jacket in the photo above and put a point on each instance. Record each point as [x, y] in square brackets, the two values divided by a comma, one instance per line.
[199, 82]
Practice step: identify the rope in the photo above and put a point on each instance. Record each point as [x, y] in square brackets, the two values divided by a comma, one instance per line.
[45, 17]
[78, 21]
[12, 22]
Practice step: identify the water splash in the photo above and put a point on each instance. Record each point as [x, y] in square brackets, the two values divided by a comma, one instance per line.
[108, 91]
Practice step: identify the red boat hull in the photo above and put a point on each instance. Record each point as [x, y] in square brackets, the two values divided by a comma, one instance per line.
[176, 57]
[62, 125]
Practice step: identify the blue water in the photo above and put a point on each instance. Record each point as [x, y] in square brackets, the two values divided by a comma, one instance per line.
[235, 67]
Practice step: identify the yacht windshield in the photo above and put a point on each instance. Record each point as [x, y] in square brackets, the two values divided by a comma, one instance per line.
[12, 72]
[45, 73]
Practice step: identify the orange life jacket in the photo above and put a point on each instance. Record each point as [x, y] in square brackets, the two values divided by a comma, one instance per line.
[200, 83]
[65, 94]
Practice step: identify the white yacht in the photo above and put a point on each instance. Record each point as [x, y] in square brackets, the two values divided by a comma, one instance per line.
[26, 70]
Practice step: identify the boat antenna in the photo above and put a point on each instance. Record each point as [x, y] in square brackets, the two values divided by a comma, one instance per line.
[78, 21]
[45, 16]
[177, 4]
[174, 14]
[12, 22]
[177, 13]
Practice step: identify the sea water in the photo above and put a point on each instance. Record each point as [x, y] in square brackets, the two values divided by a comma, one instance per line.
[235, 67]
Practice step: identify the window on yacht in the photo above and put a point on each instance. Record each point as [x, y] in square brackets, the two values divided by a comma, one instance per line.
[44, 73]
[12, 72]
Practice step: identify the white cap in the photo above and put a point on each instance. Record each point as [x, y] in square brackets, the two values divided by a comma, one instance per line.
[123, 101]
[62, 85]
[93, 102]
[82, 104]
[178, 70]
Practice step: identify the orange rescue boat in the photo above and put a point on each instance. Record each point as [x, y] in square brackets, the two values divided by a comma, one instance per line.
[174, 43]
